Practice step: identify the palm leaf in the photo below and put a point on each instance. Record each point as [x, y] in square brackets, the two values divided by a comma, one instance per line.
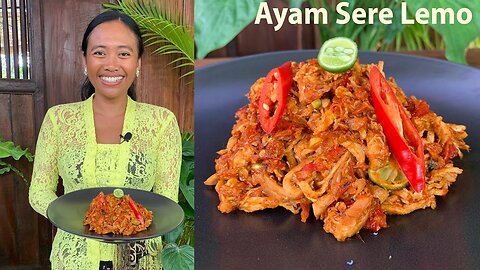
[162, 27]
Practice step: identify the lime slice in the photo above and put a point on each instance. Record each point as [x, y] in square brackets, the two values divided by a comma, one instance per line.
[390, 176]
[338, 54]
[118, 193]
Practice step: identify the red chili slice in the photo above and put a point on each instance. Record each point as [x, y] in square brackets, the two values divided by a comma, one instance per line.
[402, 136]
[103, 202]
[135, 210]
[273, 99]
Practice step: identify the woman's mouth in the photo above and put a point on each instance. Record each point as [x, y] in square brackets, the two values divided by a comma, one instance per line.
[111, 80]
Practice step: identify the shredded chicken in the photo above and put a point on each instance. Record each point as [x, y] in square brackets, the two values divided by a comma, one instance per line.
[318, 157]
[109, 214]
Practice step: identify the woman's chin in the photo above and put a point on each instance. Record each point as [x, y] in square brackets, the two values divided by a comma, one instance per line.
[112, 93]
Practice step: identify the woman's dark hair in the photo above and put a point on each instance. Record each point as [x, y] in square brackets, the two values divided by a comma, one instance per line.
[111, 15]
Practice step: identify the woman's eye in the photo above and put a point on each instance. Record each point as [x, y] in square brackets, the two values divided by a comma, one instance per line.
[124, 54]
[99, 53]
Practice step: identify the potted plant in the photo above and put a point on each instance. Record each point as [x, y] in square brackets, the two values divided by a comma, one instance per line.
[178, 251]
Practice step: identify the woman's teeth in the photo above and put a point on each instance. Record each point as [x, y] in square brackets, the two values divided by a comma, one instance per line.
[111, 79]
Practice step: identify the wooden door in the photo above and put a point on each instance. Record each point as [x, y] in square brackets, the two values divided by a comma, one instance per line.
[24, 236]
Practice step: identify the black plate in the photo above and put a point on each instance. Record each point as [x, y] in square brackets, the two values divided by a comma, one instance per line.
[445, 238]
[67, 212]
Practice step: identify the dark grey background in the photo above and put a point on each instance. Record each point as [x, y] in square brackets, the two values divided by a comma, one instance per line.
[445, 238]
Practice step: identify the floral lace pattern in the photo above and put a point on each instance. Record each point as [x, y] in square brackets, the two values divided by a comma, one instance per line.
[67, 148]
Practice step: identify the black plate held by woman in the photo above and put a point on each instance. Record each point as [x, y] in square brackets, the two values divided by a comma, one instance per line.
[68, 213]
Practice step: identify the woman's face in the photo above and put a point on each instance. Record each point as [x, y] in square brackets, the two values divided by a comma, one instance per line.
[112, 59]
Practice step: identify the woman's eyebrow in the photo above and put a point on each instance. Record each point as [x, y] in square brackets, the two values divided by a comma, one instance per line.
[125, 47]
[118, 47]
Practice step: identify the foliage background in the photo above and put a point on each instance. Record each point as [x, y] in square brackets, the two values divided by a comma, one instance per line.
[228, 18]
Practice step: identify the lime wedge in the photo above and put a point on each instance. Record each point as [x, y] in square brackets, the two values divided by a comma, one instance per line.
[118, 193]
[338, 54]
[390, 176]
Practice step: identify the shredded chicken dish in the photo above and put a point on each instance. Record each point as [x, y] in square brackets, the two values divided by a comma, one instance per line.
[326, 151]
[109, 214]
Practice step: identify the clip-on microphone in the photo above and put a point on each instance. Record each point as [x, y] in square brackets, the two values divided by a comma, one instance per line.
[126, 137]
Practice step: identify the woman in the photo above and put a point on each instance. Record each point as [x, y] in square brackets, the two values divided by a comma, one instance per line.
[106, 140]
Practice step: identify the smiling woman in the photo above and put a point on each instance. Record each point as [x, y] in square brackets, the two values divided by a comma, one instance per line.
[111, 59]
[112, 51]
[85, 143]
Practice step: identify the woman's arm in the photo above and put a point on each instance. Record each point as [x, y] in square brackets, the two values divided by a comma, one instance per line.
[45, 171]
[169, 158]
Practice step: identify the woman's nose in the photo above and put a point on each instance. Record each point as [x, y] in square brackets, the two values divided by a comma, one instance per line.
[111, 63]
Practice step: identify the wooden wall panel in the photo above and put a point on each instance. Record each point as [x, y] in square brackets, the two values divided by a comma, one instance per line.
[5, 117]
[63, 30]
[19, 222]
[26, 246]
[7, 228]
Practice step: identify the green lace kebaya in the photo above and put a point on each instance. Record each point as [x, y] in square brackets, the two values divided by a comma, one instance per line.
[67, 148]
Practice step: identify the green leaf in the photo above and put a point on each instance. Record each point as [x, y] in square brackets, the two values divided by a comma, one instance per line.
[188, 235]
[187, 209]
[187, 170]
[178, 258]
[187, 136]
[396, 27]
[4, 169]
[187, 145]
[217, 22]
[172, 236]
[187, 174]
[188, 192]
[186, 196]
[8, 149]
[294, 3]
[457, 36]
[187, 148]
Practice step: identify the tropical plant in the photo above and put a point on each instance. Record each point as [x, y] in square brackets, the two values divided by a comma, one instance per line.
[217, 22]
[228, 18]
[163, 27]
[9, 150]
[178, 252]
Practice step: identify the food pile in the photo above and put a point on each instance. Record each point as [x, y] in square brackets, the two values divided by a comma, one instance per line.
[349, 148]
[117, 214]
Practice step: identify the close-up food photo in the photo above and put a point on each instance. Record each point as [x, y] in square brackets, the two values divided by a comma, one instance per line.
[322, 136]
[335, 158]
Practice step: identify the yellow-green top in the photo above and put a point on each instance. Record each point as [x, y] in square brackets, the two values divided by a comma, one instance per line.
[67, 148]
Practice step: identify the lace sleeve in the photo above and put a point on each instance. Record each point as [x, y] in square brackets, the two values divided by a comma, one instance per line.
[45, 173]
[169, 159]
